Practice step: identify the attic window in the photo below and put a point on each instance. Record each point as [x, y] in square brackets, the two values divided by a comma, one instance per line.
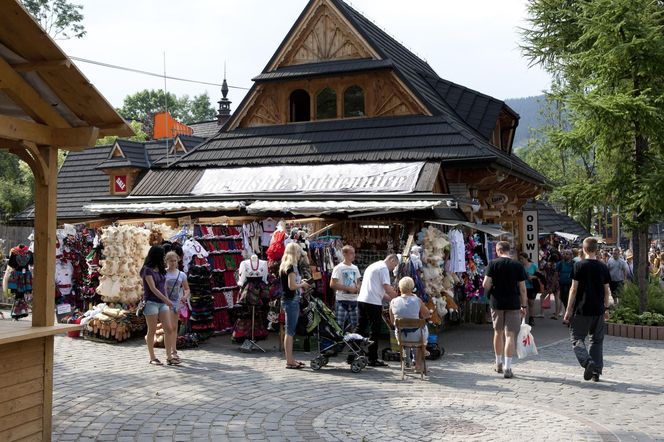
[326, 104]
[300, 106]
[354, 102]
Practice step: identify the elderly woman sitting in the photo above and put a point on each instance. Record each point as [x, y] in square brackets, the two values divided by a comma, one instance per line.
[411, 307]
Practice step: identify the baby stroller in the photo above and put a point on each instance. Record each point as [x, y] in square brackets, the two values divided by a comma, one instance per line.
[321, 321]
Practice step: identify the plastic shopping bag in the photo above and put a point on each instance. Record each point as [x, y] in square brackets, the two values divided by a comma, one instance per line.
[546, 302]
[525, 343]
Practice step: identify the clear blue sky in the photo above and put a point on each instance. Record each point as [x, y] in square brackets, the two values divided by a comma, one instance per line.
[472, 42]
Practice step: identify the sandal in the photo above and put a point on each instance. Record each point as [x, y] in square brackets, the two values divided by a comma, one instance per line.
[173, 361]
[295, 366]
[156, 361]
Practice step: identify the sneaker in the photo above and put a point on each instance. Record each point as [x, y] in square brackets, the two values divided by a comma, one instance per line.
[595, 377]
[498, 368]
[589, 370]
[377, 363]
[508, 373]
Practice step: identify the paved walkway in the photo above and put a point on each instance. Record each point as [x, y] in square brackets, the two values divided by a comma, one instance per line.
[105, 392]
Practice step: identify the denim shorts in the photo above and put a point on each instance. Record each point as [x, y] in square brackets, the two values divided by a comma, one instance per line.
[154, 308]
[292, 310]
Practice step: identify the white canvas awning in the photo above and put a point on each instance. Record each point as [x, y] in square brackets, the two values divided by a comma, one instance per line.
[567, 236]
[492, 230]
[329, 207]
[158, 208]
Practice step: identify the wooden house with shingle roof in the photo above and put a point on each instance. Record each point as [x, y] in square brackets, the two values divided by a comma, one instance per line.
[340, 92]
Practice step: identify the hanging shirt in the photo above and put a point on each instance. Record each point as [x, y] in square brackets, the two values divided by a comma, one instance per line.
[190, 249]
[457, 262]
[249, 269]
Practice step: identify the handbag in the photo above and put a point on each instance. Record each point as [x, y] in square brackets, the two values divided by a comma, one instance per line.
[140, 307]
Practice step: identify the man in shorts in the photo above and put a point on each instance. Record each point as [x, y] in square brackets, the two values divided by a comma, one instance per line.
[346, 281]
[505, 282]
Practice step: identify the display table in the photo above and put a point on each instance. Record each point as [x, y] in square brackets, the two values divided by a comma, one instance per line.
[26, 364]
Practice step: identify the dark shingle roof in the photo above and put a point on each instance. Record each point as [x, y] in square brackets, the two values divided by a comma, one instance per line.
[205, 129]
[410, 138]
[550, 221]
[135, 155]
[325, 68]
[79, 181]
[477, 110]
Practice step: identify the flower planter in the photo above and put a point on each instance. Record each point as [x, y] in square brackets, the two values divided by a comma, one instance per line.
[635, 331]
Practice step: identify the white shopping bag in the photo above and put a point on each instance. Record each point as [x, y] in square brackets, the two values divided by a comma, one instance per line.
[525, 343]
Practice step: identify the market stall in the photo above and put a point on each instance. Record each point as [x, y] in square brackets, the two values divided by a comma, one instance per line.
[40, 112]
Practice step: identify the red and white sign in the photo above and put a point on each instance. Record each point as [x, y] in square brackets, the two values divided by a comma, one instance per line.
[121, 184]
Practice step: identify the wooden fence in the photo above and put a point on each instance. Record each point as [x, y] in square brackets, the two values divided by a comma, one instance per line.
[13, 236]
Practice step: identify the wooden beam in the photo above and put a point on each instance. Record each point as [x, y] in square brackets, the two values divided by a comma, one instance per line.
[24, 95]
[42, 65]
[18, 130]
[77, 138]
[121, 130]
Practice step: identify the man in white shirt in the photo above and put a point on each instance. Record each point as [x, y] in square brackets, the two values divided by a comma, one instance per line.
[619, 272]
[346, 281]
[376, 287]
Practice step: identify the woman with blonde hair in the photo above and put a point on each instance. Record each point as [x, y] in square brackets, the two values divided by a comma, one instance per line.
[177, 287]
[292, 286]
[411, 307]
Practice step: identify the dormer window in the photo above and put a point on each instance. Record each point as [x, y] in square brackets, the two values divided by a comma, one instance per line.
[326, 104]
[300, 106]
[354, 102]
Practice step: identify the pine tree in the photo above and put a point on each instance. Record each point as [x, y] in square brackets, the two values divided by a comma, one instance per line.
[607, 59]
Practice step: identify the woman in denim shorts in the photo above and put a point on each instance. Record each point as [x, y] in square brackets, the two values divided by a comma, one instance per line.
[157, 305]
[292, 286]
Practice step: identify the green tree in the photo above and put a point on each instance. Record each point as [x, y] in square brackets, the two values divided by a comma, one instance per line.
[607, 59]
[59, 18]
[16, 185]
[142, 105]
[201, 109]
[136, 126]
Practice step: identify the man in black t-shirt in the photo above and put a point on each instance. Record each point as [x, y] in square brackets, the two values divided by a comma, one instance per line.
[505, 283]
[587, 310]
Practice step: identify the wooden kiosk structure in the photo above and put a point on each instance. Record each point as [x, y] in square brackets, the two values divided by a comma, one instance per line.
[46, 104]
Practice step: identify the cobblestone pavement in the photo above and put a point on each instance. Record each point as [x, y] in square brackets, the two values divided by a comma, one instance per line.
[106, 392]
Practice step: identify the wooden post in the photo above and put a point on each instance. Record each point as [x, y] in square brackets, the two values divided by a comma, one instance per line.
[43, 303]
[43, 300]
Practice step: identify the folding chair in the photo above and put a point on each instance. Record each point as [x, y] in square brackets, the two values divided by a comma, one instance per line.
[406, 324]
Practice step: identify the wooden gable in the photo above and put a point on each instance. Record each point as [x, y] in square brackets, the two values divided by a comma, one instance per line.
[178, 147]
[385, 95]
[323, 35]
[117, 152]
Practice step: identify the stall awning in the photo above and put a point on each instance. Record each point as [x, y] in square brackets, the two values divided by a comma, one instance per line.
[567, 236]
[492, 230]
[160, 208]
[329, 207]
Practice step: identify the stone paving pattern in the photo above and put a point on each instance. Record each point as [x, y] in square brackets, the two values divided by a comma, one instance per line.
[109, 392]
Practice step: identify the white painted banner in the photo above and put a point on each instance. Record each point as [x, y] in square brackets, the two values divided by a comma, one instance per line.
[328, 178]
[530, 235]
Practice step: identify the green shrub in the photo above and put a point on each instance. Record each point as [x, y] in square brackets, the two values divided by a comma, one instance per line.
[649, 318]
[629, 297]
[623, 315]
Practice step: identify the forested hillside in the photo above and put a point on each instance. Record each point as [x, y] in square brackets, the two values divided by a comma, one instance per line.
[529, 108]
